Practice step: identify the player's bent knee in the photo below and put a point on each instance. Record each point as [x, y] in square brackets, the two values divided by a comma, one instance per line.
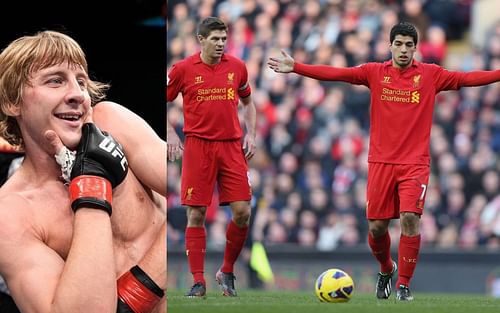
[241, 214]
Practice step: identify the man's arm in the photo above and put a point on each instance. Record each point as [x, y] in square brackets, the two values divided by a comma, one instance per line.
[454, 80]
[41, 282]
[174, 84]
[149, 165]
[148, 161]
[250, 116]
[479, 78]
[134, 294]
[286, 64]
[174, 144]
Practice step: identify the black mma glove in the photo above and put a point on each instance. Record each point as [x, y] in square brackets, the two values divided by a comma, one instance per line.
[100, 166]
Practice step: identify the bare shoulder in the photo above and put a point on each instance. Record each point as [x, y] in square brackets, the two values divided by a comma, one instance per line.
[106, 113]
[106, 109]
[13, 213]
[115, 117]
[19, 201]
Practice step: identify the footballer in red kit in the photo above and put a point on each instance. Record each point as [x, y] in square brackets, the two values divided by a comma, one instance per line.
[401, 111]
[213, 84]
[210, 96]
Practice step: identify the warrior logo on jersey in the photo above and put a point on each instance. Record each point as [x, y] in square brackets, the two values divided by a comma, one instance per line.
[198, 79]
[387, 80]
[230, 78]
[416, 81]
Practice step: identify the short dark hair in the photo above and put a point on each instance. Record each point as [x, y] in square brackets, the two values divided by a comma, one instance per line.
[210, 24]
[404, 29]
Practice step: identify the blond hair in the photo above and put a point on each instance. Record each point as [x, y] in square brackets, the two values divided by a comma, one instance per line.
[29, 54]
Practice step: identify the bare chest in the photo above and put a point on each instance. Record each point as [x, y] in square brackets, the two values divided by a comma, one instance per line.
[136, 220]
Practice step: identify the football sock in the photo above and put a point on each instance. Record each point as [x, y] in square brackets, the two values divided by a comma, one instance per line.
[195, 251]
[407, 258]
[235, 239]
[381, 250]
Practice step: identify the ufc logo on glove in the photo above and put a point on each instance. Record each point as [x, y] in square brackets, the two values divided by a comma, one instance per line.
[111, 147]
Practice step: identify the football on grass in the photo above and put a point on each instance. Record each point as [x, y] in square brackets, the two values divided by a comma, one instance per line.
[334, 285]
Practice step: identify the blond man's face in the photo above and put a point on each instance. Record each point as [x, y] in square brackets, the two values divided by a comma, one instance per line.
[56, 98]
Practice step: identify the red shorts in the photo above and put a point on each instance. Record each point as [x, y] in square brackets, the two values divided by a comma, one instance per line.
[395, 188]
[206, 162]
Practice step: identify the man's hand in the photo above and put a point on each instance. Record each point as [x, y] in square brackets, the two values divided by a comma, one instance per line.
[174, 146]
[283, 64]
[249, 146]
[100, 166]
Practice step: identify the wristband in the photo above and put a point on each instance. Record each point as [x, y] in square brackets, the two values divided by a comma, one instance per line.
[91, 192]
[139, 291]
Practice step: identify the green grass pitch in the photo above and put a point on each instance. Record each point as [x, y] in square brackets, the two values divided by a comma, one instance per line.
[250, 301]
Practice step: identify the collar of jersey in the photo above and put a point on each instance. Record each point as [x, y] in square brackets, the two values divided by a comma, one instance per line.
[198, 58]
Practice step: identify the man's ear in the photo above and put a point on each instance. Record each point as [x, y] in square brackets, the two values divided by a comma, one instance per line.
[12, 109]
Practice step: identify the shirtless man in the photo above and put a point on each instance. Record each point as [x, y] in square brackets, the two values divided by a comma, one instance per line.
[65, 245]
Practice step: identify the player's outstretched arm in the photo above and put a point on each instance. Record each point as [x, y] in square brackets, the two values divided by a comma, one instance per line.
[145, 150]
[454, 80]
[286, 64]
[479, 78]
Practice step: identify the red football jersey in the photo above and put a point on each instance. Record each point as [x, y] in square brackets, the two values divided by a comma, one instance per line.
[402, 104]
[210, 95]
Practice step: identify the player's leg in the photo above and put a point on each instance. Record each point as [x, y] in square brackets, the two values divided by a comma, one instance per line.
[412, 191]
[380, 210]
[234, 188]
[409, 247]
[379, 242]
[198, 180]
[236, 234]
[196, 241]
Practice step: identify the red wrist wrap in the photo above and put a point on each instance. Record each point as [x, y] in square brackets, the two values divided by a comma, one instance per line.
[86, 186]
[137, 296]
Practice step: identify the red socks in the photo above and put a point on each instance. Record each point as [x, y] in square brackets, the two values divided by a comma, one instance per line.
[196, 245]
[407, 258]
[381, 250]
[195, 250]
[235, 239]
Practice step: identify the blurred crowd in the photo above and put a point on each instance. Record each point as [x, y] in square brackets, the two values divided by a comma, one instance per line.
[309, 175]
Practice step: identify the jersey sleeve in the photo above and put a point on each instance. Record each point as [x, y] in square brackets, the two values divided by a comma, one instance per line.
[244, 89]
[453, 80]
[355, 75]
[174, 82]
[444, 79]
